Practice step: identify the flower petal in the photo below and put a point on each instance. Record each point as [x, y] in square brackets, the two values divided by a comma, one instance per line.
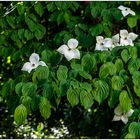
[124, 119]
[126, 42]
[27, 67]
[72, 43]
[100, 47]
[118, 110]
[125, 13]
[116, 118]
[99, 39]
[132, 36]
[131, 12]
[62, 49]
[108, 43]
[34, 58]
[129, 113]
[121, 7]
[116, 38]
[42, 63]
[72, 54]
[123, 33]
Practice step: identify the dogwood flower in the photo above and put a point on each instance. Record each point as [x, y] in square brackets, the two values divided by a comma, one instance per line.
[69, 50]
[126, 11]
[127, 38]
[33, 63]
[116, 40]
[103, 44]
[119, 115]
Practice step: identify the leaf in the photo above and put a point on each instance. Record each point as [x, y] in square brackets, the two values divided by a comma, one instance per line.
[29, 88]
[123, 73]
[86, 99]
[101, 91]
[76, 67]
[73, 96]
[85, 75]
[40, 31]
[41, 73]
[86, 86]
[137, 90]
[117, 82]
[20, 114]
[88, 62]
[45, 108]
[134, 129]
[64, 85]
[125, 55]
[96, 30]
[114, 98]
[119, 65]
[125, 101]
[28, 35]
[39, 8]
[18, 88]
[134, 65]
[62, 73]
[136, 78]
[11, 21]
[133, 52]
[60, 18]
[132, 21]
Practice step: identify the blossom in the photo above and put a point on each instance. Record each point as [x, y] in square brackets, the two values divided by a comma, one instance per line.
[119, 115]
[103, 43]
[69, 50]
[127, 38]
[33, 63]
[116, 40]
[126, 11]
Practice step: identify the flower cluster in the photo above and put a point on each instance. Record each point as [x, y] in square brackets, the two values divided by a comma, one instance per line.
[121, 39]
[119, 115]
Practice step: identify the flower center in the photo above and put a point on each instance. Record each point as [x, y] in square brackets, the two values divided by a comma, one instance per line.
[33, 65]
[125, 38]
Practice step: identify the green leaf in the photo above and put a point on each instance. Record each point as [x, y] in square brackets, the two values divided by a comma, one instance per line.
[123, 73]
[60, 18]
[134, 129]
[31, 24]
[130, 136]
[114, 98]
[62, 73]
[85, 75]
[21, 33]
[45, 108]
[117, 82]
[26, 101]
[20, 114]
[11, 21]
[76, 67]
[134, 65]
[88, 62]
[101, 91]
[51, 6]
[28, 35]
[137, 90]
[40, 31]
[73, 96]
[29, 88]
[41, 73]
[132, 21]
[136, 78]
[125, 55]
[18, 88]
[119, 65]
[133, 52]
[86, 99]
[64, 85]
[39, 8]
[125, 101]
[86, 86]
[96, 30]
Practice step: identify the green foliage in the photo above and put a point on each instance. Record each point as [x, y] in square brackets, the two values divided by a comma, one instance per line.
[20, 114]
[62, 73]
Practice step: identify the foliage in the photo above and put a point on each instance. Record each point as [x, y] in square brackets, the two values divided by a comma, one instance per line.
[93, 85]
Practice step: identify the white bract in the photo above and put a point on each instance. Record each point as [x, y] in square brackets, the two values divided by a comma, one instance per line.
[126, 11]
[33, 63]
[69, 50]
[127, 38]
[119, 115]
[103, 43]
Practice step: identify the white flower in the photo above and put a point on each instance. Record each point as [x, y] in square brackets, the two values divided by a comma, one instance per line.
[116, 40]
[33, 63]
[127, 38]
[103, 44]
[126, 11]
[69, 50]
[119, 115]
